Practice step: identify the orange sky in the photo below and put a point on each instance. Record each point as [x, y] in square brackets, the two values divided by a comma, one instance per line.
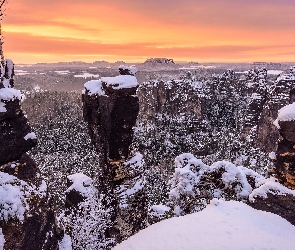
[133, 30]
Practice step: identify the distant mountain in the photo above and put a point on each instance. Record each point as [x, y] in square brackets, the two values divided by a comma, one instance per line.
[159, 61]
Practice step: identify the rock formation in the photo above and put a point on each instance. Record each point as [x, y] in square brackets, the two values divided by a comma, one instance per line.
[159, 60]
[25, 217]
[272, 199]
[110, 109]
[279, 95]
[285, 155]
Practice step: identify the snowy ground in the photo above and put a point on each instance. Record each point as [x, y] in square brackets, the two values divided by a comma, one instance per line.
[221, 225]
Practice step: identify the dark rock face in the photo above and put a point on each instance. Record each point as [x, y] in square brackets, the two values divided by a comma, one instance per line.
[282, 205]
[25, 169]
[284, 171]
[39, 230]
[110, 121]
[280, 95]
[285, 162]
[14, 127]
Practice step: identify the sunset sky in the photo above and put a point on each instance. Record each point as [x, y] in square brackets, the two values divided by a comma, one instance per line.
[134, 30]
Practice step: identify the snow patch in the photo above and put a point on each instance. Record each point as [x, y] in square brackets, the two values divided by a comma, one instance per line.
[62, 72]
[66, 243]
[20, 72]
[287, 113]
[8, 94]
[272, 155]
[94, 87]
[136, 161]
[269, 186]
[199, 67]
[221, 225]
[81, 183]
[13, 203]
[31, 136]
[286, 77]
[120, 82]
[159, 210]
[2, 107]
[86, 75]
[2, 240]
[124, 192]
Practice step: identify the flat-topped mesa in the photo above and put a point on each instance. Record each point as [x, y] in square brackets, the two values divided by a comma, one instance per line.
[285, 156]
[111, 108]
[16, 137]
[159, 61]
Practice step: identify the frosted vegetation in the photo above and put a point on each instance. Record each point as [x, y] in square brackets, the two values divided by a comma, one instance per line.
[65, 148]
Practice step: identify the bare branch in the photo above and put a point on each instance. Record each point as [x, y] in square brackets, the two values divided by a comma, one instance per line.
[2, 3]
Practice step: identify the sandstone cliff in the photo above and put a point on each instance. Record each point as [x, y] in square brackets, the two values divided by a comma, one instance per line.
[25, 218]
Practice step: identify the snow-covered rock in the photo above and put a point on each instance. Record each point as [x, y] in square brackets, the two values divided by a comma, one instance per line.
[221, 225]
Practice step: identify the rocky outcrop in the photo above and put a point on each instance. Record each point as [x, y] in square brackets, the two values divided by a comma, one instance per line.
[285, 155]
[274, 197]
[279, 95]
[26, 219]
[155, 64]
[282, 205]
[110, 107]
[256, 94]
[16, 135]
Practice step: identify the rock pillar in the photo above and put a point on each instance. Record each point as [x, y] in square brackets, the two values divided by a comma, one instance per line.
[110, 108]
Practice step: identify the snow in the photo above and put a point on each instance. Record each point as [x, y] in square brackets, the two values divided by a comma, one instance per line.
[120, 82]
[132, 69]
[136, 161]
[233, 174]
[286, 77]
[2, 107]
[221, 225]
[124, 192]
[287, 113]
[2, 240]
[198, 67]
[272, 155]
[269, 72]
[62, 72]
[20, 72]
[269, 186]
[94, 87]
[159, 210]
[81, 183]
[86, 75]
[42, 189]
[66, 243]
[274, 72]
[31, 136]
[12, 197]
[7, 94]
